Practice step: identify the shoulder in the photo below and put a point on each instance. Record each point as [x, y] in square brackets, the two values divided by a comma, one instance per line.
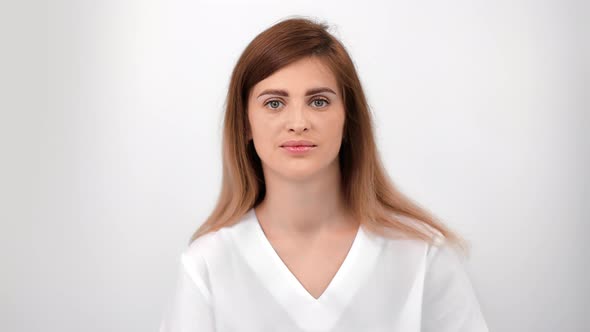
[211, 251]
[430, 257]
[446, 268]
[204, 249]
[206, 243]
[444, 253]
[402, 245]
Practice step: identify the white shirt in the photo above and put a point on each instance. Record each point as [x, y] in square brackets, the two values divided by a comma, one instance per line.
[233, 280]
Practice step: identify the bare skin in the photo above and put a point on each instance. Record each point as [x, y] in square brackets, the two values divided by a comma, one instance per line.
[304, 214]
[315, 258]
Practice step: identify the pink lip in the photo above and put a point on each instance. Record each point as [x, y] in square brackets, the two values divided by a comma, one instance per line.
[297, 143]
[298, 149]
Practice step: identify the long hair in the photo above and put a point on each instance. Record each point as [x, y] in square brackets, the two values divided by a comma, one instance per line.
[370, 194]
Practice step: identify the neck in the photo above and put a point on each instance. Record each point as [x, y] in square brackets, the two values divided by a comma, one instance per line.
[304, 207]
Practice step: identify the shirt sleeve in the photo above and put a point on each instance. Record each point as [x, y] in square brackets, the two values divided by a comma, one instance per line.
[449, 303]
[189, 308]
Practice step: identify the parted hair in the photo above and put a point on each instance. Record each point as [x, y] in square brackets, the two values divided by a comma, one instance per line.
[370, 194]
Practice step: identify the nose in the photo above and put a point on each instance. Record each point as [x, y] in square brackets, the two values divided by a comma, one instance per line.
[297, 120]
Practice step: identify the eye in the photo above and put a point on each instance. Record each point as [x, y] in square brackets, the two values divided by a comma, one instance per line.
[323, 101]
[273, 102]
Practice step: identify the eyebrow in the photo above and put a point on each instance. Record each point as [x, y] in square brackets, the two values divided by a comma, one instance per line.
[284, 93]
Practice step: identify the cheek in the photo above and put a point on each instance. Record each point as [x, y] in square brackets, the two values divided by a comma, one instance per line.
[257, 126]
[264, 134]
[262, 129]
[335, 126]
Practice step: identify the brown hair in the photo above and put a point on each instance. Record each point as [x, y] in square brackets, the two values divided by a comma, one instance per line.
[370, 194]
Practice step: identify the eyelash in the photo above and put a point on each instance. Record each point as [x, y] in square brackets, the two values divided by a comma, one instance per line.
[322, 99]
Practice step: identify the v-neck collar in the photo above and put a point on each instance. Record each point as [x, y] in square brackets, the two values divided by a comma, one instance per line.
[308, 312]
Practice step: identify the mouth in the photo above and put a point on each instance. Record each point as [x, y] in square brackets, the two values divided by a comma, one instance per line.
[298, 148]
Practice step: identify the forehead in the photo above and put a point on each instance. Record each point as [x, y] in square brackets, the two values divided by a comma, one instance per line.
[299, 76]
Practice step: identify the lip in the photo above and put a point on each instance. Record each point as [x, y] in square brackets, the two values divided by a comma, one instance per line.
[301, 149]
[298, 143]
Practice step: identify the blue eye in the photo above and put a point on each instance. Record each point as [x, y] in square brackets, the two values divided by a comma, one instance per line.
[274, 103]
[326, 102]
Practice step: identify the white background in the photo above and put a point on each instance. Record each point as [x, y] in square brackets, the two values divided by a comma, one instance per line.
[111, 145]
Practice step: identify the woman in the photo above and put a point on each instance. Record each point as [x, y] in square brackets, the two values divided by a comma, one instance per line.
[309, 233]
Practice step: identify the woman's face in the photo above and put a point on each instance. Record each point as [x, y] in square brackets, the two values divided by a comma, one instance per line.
[294, 111]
